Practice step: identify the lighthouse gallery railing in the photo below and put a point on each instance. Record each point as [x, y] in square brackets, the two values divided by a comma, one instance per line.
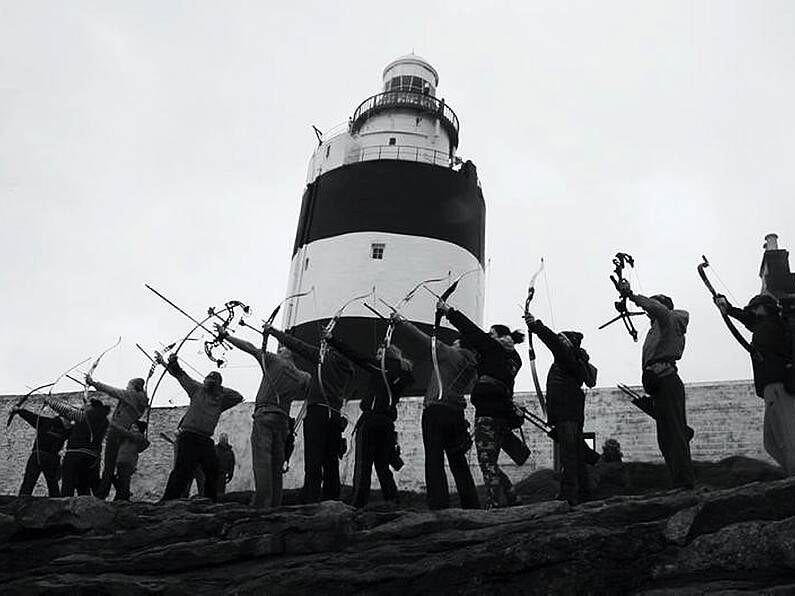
[405, 99]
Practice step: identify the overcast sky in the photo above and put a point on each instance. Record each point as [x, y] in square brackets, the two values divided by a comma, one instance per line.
[167, 142]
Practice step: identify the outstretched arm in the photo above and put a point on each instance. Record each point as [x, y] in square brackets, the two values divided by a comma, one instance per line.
[473, 334]
[303, 349]
[126, 395]
[175, 370]
[367, 363]
[243, 345]
[748, 319]
[562, 353]
[66, 410]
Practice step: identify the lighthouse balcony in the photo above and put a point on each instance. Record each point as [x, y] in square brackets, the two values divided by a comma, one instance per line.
[406, 100]
[400, 152]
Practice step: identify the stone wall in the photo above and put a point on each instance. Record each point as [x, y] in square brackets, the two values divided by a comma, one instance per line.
[726, 416]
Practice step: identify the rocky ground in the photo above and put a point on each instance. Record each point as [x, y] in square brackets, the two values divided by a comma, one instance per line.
[739, 539]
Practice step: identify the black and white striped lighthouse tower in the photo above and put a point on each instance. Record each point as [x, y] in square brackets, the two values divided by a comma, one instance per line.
[387, 205]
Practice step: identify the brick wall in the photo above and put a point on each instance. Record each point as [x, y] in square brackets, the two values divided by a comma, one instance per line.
[726, 416]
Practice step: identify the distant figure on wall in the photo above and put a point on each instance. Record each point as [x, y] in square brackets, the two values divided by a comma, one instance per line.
[208, 400]
[226, 462]
[51, 434]
[663, 347]
[566, 404]
[81, 462]
[773, 377]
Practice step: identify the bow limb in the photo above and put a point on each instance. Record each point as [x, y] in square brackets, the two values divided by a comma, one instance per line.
[732, 328]
[23, 399]
[323, 349]
[542, 402]
[94, 366]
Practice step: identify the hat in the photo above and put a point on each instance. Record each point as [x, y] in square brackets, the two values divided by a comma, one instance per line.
[575, 337]
[765, 300]
[664, 300]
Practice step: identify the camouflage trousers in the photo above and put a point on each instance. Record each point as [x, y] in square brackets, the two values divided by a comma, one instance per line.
[489, 433]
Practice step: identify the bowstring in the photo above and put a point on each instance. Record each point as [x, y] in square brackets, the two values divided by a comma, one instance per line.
[547, 292]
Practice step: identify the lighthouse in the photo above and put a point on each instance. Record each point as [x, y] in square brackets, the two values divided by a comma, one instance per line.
[388, 204]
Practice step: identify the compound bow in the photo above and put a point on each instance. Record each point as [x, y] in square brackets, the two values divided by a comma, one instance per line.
[620, 261]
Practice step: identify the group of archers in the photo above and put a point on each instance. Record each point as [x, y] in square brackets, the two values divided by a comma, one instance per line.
[481, 364]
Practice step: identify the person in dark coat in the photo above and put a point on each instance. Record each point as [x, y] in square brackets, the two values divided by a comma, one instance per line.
[492, 396]
[45, 458]
[84, 448]
[376, 440]
[566, 404]
[772, 367]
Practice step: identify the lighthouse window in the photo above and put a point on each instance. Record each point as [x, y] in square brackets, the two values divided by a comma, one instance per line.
[392, 140]
[377, 250]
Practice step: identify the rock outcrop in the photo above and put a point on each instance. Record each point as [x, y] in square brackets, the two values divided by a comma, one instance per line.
[678, 542]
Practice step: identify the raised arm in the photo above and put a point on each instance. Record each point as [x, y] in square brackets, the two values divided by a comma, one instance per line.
[27, 416]
[748, 319]
[563, 354]
[245, 346]
[303, 349]
[128, 396]
[656, 310]
[175, 370]
[66, 410]
[473, 334]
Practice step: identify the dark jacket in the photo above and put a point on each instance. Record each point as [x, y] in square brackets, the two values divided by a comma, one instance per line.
[336, 372]
[771, 339]
[565, 397]
[51, 433]
[205, 407]
[377, 399]
[492, 394]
